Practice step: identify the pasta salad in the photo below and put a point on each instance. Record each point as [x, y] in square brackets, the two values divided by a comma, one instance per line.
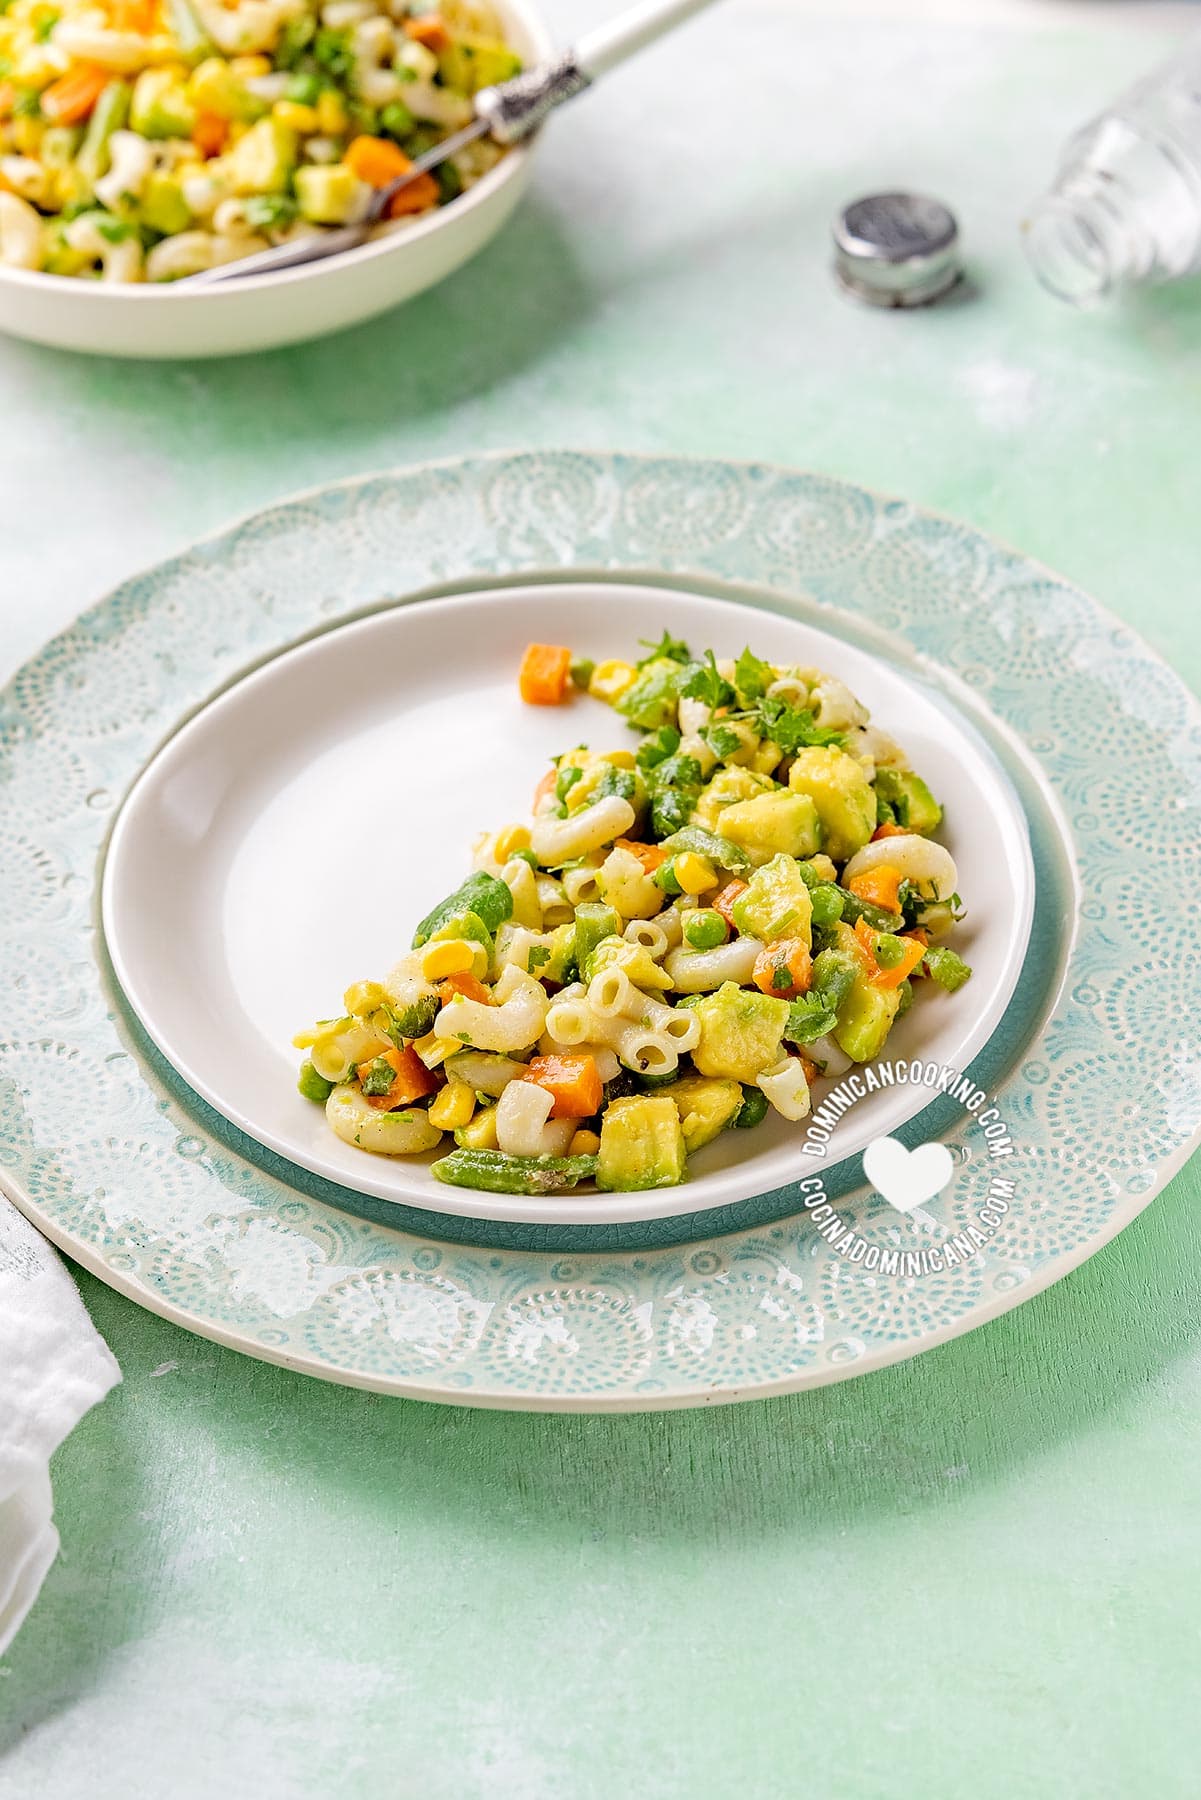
[682, 937]
[145, 140]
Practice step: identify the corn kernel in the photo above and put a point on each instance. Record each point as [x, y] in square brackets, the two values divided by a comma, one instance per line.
[584, 1143]
[363, 997]
[298, 118]
[434, 1050]
[766, 757]
[481, 1133]
[332, 116]
[451, 1109]
[695, 874]
[248, 68]
[621, 759]
[610, 680]
[452, 958]
[27, 136]
[509, 841]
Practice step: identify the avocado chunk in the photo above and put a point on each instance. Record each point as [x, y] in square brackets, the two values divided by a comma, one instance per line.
[771, 823]
[472, 63]
[865, 1012]
[904, 798]
[160, 107]
[642, 1144]
[594, 922]
[842, 794]
[216, 89]
[163, 206]
[329, 194]
[727, 788]
[741, 1033]
[776, 903]
[634, 959]
[705, 1106]
[865, 1019]
[262, 161]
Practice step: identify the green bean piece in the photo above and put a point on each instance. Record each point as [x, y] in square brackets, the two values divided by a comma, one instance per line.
[707, 843]
[498, 1173]
[481, 894]
[946, 967]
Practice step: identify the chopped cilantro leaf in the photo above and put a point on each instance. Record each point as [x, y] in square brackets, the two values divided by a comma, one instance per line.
[657, 747]
[809, 1018]
[675, 789]
[269, 212]
[792, 727]
[379, 1077]
[538, 956]
[723, 740]
[667, 646]
[617, 781]
[752, 677]
[704, 682]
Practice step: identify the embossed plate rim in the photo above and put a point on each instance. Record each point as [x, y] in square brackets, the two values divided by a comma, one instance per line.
[618, 481]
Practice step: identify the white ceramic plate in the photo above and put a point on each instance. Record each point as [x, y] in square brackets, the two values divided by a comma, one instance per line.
[261, 312]
[285, 842]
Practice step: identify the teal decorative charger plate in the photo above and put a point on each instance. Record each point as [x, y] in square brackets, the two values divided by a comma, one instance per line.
[1094, 1070]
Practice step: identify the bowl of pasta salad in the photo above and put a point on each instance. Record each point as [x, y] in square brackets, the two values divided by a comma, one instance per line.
[566, 931]
[143, 141]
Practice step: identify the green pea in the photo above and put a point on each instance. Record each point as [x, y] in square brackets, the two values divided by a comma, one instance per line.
[665, 877]
[312, 1085]
[889, 950]
[304, 89]
[396, 119]
[826, 902]
[705, 929]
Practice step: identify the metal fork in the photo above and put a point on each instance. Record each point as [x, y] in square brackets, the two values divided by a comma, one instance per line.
[506, 113]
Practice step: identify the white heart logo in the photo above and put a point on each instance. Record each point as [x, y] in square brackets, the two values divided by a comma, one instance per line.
[906, 1178]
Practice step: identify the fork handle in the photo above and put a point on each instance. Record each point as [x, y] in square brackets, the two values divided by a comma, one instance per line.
[513, 109]
[601, 50]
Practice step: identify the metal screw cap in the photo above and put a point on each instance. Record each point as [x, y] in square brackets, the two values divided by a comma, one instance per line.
[897, 249]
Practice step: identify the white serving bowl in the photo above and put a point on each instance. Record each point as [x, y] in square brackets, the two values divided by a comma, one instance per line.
[261, 312]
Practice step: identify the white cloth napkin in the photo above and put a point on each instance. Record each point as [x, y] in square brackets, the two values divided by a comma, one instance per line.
[54, 1366]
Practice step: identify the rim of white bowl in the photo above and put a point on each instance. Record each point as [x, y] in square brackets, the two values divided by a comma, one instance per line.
[175, 294]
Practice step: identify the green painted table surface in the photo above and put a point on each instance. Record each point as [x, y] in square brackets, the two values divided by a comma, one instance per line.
[973, 1574]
